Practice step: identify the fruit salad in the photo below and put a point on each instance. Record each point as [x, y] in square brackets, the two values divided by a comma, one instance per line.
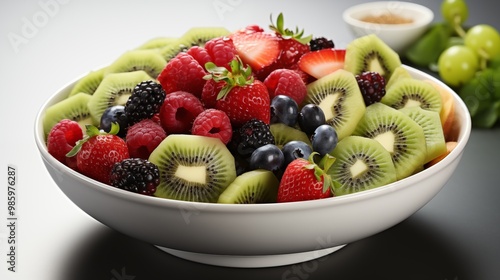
[255, 115]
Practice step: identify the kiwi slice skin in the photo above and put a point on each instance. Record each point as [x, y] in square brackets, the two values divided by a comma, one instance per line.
[114, 89]
[370, 53]
[157, 43]
[89, 83]
[340, 98]
[398, 133]
[150, 61]
[412, 92]
[193, 168]
[399, 73]
[74, 108]
[360, 164]
[252, 187]
[283, 134]
[430, 122]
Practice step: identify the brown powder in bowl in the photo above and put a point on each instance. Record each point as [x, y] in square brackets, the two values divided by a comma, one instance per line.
[386, 18]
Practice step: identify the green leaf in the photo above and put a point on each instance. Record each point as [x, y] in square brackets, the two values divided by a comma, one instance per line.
[428, 48]
[487, 117]
[481, 95]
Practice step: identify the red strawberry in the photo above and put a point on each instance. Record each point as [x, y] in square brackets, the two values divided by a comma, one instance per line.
[252, 28]
[98, 151]
[323, 62]
[221, 51]
[182, 73]
[286, 82]
[242, 97]
[292, 46]
[305, 180]
[257, 49]
[62, 138]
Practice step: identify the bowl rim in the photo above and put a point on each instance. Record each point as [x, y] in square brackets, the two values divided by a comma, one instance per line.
[427, 15]
[462, 140]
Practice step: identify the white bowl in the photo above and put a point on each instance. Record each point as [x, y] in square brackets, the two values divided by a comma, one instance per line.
[254, 235]
[397, 36]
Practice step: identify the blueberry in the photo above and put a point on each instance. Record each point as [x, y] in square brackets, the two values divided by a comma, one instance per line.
[310, 117]
[296, 149]
[114, 114]
[284, 110]
[268, 157]
[324, 139]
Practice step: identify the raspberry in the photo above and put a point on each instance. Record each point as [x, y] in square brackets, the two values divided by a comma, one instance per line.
[182, 73]
[210, 92]
[62, 138]
[250, 136]
[143, 137]
[145, 101]
[213, 123]
[372, 86]
[178, 112]
[321, 43]
[221, 50]
[286, 82]
[98, 152]
[136, 175]
[200, 54]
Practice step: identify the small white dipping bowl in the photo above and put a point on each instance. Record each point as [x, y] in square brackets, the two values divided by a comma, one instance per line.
[397, 36]
[259, 235]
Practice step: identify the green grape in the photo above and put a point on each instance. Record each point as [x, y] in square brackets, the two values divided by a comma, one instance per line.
[483, 39]
[457, 65]
[455, 12]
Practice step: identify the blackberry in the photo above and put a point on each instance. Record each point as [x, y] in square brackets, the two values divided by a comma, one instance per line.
[145, 101]
[136, 175]
[320, 43]
[372, 86]
[250, 136]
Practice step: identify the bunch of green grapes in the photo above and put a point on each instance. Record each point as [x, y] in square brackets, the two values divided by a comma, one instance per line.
[459, 63]
[467, 59]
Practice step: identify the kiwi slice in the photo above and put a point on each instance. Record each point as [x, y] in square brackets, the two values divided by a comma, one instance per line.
[412, 92]
[115, 89]
[149, 61]
[399, 73]
[360, 164]
[196, 36]
[74, 108]
[256, 186]
[370, 53]
[339, 96]
[157, 43]
[193, 167]
[430, 122]
[398, 134]
[283, 134]
[89, 83]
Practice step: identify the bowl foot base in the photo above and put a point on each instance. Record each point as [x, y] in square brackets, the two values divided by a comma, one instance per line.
[251, 261]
